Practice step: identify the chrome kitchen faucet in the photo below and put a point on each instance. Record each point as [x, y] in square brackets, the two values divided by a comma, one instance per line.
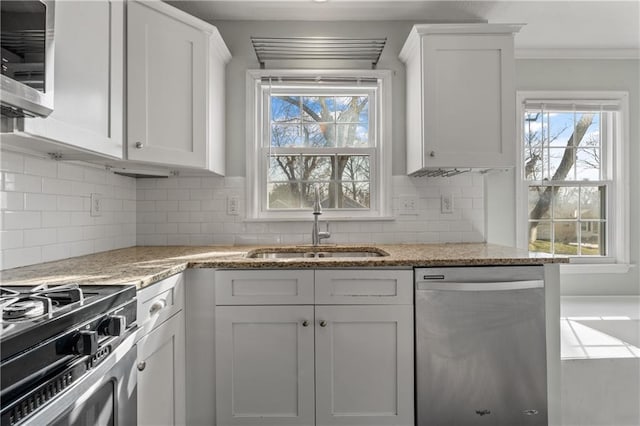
[316, 234]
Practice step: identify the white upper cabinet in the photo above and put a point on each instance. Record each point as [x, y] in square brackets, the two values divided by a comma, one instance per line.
[89, 73]
[175, 71]
[460, 96]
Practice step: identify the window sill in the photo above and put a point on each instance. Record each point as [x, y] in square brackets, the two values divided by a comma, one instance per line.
[595, 268]
[322, 218]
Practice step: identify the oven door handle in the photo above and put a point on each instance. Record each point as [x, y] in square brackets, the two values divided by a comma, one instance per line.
[125, 352]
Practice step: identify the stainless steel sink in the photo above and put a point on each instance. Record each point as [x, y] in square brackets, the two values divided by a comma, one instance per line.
[315, 252]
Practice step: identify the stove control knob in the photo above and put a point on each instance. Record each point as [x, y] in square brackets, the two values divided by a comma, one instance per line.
[113, 325]
[85, 342]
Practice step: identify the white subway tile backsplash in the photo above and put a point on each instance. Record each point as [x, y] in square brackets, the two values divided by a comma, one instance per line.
[11, 200]
[46, 210]
[40, 202]
[194, 213]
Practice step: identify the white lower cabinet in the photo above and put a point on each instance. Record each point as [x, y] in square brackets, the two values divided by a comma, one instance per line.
[264, 365]
[161, 354]
[364, 365]
[314, 364]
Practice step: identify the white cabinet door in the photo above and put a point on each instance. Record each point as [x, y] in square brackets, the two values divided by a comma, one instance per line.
[264, 365]
[469, 98]
[460, 96]
[89, 73]
[364, 365]
[161, 374]
[167, 87]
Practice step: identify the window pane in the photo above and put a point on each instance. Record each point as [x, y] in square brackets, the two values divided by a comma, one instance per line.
[352, 109]
[539, 202]
[555, 169]
[353, 135]
[286, 135]
[354, 195]
[284, 168]
[284, 195]
[591, 238]
[325, 189]
[591, 202]
[540, 237]
[285, 109]
[565, 238]
[318, 108]
[588, 163]
[319, 135]
[565, 204]
[317, 167]
[558, 128]
[353, 167]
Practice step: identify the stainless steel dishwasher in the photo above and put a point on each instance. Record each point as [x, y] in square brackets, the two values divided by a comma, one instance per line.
[480, 346]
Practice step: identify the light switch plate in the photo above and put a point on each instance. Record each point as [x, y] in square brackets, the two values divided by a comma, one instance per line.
[233, 205]
[96, 204]
[446, 203]
[408, 204]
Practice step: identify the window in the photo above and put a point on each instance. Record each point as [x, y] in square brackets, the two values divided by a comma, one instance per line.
[318, 132]
[573, 171]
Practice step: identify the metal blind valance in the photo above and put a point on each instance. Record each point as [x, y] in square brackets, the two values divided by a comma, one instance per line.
[578, 105]
[276, 81]
[315, 48]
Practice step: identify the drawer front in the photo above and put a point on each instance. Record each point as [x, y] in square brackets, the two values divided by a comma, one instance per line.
[367, 287]
[159, 302]
[264, 287]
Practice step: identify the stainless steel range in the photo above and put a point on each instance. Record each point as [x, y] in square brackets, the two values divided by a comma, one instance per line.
[68, 355]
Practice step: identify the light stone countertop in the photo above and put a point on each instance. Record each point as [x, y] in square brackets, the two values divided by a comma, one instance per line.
[143, 266]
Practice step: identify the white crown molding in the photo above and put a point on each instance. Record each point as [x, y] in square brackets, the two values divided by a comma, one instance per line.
[577, 53]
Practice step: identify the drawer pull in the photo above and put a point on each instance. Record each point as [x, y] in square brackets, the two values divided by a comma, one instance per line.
[323, 323]
[142, 365]
[305, 323]
[157, 306]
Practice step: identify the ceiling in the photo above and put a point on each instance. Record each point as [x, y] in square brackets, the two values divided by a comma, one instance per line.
[550, 24]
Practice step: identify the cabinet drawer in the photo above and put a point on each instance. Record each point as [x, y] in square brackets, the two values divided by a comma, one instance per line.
[159, 302]
[370, 287]
[264, 287]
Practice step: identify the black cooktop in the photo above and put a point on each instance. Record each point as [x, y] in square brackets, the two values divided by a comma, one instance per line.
[33, 315]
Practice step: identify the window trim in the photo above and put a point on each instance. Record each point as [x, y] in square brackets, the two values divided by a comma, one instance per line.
[380, 189]
[618, 217]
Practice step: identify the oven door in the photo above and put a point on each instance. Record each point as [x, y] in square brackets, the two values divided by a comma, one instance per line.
[106, 396]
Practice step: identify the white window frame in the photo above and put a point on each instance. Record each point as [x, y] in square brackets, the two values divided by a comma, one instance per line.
[617, 161]
[380, 154]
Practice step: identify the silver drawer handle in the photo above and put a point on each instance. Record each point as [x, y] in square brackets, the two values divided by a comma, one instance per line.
[157, 306]
[305, 323]
[323, 323]
[139, 145]
[142, 365]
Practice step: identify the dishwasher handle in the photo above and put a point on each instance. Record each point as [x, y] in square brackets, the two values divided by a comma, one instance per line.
[478, 286]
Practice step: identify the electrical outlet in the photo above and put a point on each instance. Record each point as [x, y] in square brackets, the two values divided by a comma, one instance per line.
[96, 204]
[408, 204]
[446, 203]
[233, 205]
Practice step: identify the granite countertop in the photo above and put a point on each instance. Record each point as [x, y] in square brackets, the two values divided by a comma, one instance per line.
[143, 266]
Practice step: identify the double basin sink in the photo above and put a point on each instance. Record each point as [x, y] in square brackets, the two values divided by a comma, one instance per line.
[315, 252]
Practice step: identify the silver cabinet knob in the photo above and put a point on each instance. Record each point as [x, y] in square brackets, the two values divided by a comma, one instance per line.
[142, 365]
[139, 145]
[432, 154]
[305, 323]
[323, 323]
[157, 306]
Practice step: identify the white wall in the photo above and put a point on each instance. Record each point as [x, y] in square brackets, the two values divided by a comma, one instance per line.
[237, 35]
[46, 210]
